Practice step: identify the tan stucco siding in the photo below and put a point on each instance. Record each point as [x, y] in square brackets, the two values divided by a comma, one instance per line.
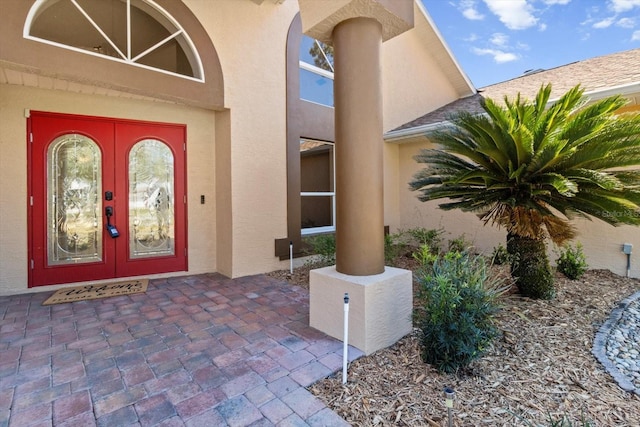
[415, 213]
[251, 44]
[14, 100]
[413, 82]
[602, 242]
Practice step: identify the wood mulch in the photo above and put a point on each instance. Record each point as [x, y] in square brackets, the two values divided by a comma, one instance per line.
[540, 370]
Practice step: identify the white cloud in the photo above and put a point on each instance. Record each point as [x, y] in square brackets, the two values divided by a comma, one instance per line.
[472, 37]
[498, 56]
[626, 22]
[619, 6]
[635, 37]
[469, 10]
[552, 2]
[472, 15]
[542, 27]
[514, 14]
[605, 23]
[499, 39]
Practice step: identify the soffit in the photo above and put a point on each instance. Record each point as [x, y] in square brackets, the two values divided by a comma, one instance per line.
[22, 76]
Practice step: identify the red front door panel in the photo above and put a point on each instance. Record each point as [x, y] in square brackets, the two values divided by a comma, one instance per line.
[79, 167]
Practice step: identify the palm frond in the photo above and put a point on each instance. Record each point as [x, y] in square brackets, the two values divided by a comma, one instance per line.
[532, 168]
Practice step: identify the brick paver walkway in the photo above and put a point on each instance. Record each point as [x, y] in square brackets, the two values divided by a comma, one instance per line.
[196, 351]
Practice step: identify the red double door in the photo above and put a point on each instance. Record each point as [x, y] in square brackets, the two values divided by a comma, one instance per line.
[107, 198]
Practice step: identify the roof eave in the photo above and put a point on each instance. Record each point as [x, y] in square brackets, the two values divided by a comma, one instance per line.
[414, 134]
[418, 133]
[464, 80]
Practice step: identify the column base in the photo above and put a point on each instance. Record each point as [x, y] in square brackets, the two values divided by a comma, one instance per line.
[380, 306]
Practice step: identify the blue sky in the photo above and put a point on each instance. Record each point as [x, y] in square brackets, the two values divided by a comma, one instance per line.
[497, 40]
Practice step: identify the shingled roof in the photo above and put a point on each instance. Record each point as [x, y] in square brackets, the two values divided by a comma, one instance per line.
[594, 75]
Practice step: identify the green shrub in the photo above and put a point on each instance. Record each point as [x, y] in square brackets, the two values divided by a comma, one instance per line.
[500, 255]
[421, 236]
[323, 245]
[425, 256]
[394, 246]
[572, 262]
[460, 244]
[455, 311]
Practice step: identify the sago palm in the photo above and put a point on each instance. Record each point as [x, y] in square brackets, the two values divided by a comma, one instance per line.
[531, 168]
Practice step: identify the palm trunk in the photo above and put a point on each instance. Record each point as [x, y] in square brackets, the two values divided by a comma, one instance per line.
[530, 267]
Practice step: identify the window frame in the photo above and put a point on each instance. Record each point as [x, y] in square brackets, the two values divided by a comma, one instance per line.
[308, 231]
[192, 54]
[312, 68]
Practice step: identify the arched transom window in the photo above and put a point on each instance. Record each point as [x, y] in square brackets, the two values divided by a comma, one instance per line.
[136, 32]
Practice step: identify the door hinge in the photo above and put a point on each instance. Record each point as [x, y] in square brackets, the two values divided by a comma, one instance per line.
[185, 252]
[31, 137]
[184, 147]
[32, 264]
[185, 199]
[30, 200]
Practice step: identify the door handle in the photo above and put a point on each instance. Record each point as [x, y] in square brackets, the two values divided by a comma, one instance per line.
[111, 229]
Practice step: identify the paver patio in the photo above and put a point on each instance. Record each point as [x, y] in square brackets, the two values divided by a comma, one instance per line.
[196, 351]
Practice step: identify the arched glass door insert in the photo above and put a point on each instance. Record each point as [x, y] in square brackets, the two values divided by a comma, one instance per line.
[74, 202]
[151, 200]
[136, 32]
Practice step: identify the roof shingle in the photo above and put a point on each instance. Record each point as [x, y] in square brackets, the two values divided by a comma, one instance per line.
[592, 74]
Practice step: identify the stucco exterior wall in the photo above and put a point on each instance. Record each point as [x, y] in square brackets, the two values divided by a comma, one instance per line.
[602, 242]
[251, 43]
[14, 100]
[413, 83]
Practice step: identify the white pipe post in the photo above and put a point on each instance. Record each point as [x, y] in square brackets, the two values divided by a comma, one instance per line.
[345, 342]
[291, 257]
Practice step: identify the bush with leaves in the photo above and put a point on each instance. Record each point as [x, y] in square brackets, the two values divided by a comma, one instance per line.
[395, 245]
[426, 236]
[460, 244]
[500, 255]
[455, 314]
[572, 262]
[323, 245]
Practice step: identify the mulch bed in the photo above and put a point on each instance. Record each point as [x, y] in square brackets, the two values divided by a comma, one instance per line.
[539, 371]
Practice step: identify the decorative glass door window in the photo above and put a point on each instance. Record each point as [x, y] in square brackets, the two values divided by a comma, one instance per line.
[74, 213]
[151, 199]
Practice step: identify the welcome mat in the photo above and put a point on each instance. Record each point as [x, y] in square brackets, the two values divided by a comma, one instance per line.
[87, 292]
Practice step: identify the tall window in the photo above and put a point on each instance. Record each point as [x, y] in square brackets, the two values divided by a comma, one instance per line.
[136, 32]
[316, 71]
[317, 185]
